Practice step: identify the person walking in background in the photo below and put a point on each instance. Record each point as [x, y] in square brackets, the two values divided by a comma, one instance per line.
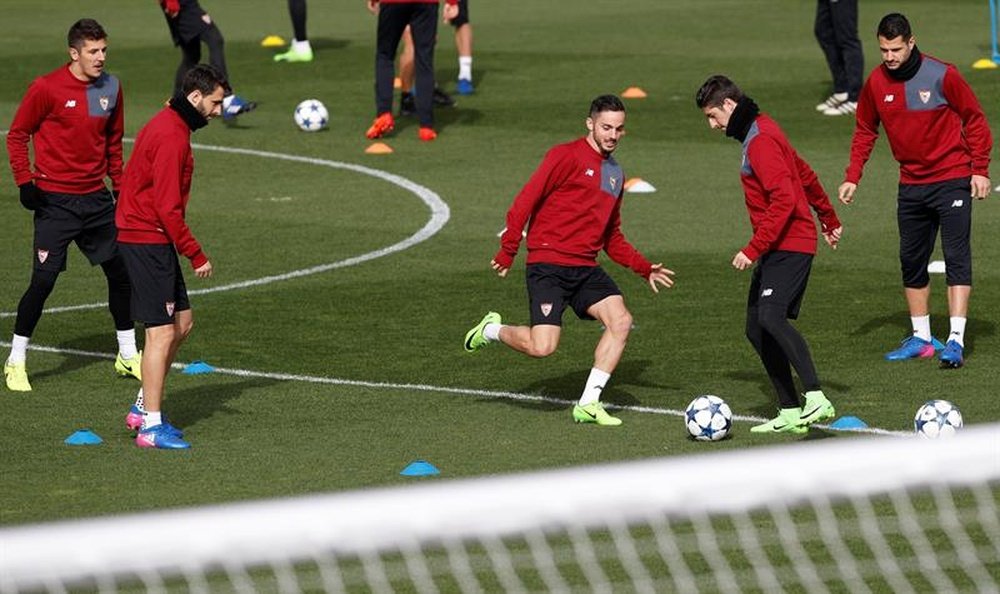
[152, 231]
[74, 119]
[572, 208]
[836, 31]
[939, 135]
[463, 46]
[189, 26]
[779, 188]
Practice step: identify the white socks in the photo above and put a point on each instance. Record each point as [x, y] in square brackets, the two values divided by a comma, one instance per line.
[18, 349]
[465, 68]
[957, 330]
[126, 343]
[491, 332]
[595, 385]
[301, 46]
[151, 419]
[922, 327]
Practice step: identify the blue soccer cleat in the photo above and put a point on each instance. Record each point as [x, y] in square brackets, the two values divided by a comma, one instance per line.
[234, 105]
[912, 347]
[161, 437]
[133, 420]
[464, 87]
[951, 356]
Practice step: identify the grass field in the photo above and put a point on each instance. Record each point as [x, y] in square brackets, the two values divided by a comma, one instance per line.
[347, 375]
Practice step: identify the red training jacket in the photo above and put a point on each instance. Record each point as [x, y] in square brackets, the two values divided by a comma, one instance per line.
[779, 187]
[76, 128]
[935, 125]
[157, 187]
[574, 202]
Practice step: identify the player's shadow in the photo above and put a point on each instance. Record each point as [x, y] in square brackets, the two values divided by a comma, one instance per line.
[321, 45]
[567, 388]
[978, 327]
[99, 343]
[443, 118]
[195, 403]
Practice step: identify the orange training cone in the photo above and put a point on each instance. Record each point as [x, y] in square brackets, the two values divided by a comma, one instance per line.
[379, 148]
[634, 93]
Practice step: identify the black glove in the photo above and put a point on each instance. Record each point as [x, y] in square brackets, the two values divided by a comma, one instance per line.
[30, 196]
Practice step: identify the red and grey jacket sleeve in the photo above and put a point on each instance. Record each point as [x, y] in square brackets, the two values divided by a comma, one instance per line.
[116, 131]
[620, 249]
[550, 174]
[169, 159]
[975, 129]
[865, 134]
[30, 114]
[818, 199]
[770, 169]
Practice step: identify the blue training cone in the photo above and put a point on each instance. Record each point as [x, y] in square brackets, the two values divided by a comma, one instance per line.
[420, 468]
[196, 367]
[83, 437]
[848, 423]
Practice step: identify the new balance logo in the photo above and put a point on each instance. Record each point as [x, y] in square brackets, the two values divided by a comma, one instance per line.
[767, 292]
[957, 203]
[888, 98]
[589, 173]
[70, 103]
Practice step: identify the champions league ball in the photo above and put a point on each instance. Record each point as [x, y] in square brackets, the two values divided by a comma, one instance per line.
[708, 418]
[937, 418]
[311, 115]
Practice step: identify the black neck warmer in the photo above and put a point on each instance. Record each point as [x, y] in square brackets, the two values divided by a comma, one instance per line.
[907, 69]
[188, 113]
[742, 118]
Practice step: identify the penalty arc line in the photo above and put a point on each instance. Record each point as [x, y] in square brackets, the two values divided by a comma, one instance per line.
[492, 394]
[440, 213]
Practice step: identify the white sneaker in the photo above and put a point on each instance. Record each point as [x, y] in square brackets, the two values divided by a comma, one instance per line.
[832, 101]
[845, 108]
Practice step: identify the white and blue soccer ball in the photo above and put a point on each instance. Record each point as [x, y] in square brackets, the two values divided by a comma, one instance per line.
[708, 418]
[311, 115]
[937, 418]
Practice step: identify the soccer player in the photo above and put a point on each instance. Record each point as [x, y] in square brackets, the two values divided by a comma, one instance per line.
[779, 188]
[939, 135]
[572, 207]
[836, 30]
[463, 45]
[152, 231]
[189, 26]
[301, 49]
[393, 17]
[74, 119]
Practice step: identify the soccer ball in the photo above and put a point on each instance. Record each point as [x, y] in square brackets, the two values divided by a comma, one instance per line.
[937, 418]
[311, 115]
[708, 418]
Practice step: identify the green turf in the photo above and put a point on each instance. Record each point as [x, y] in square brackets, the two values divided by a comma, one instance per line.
[400, 319]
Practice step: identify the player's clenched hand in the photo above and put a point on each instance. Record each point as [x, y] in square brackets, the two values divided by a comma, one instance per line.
[660, 275]
[372, 6]
[450, 12]
[980, 186]
[832, 237]
[203, 271]
[846, 192]
[741, 262]
[500, 270]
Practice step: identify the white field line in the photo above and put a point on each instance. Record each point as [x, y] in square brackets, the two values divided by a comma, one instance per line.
[440, 213]
[495, 394]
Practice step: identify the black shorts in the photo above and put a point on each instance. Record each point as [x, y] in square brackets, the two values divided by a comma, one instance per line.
[551, 288]
[188, 24]
[779, 280]
[158, 290]
[87, 219]
[463, 14]
[920, 211]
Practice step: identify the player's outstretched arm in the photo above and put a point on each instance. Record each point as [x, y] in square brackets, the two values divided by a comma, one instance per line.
[846, 192]
[660, 275]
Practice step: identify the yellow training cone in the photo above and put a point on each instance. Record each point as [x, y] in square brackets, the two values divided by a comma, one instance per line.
[379, 148]
[985, 64]
[634, 93]
[273, 41]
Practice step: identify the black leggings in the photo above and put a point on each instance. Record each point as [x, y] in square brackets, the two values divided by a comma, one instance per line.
[297, 11]
[781, 347]
[191, 54]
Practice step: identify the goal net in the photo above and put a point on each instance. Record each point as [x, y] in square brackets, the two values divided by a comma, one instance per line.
[857, 514]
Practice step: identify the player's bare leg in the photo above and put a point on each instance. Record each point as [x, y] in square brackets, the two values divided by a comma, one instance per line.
[162, 343]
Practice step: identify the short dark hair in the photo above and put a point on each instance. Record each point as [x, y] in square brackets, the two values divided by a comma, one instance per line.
[894, 25]
[83, 30]
[204, 78]
[606, 103]
[717, 89]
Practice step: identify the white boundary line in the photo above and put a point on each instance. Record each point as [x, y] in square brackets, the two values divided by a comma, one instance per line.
[440, 213]
[494, 394]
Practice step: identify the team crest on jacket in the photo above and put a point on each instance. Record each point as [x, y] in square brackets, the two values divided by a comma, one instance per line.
[925, 95]
[43, 255]
[105, 101]
[546, 309]
[169, 306]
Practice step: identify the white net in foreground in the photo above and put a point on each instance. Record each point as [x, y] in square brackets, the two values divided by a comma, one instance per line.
[844, 515]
